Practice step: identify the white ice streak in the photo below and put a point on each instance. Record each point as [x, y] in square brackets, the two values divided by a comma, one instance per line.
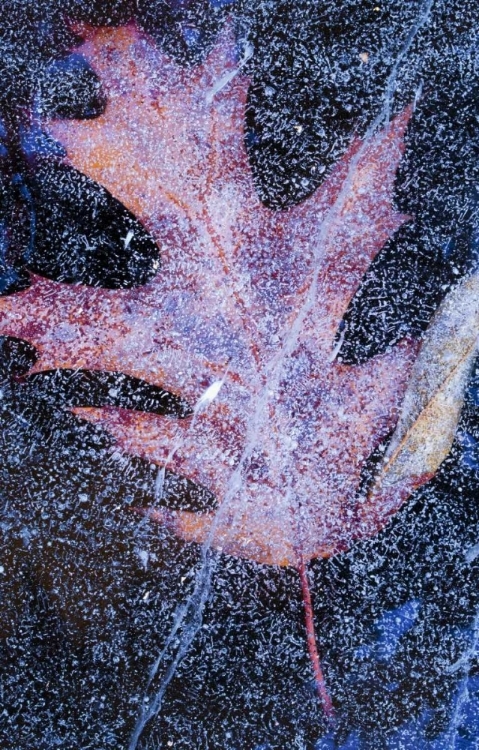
[209, 395]
[222, 82]
[189, 613]
[128, 238]
[206, 398]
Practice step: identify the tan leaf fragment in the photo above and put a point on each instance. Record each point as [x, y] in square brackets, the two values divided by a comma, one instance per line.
[433, 400]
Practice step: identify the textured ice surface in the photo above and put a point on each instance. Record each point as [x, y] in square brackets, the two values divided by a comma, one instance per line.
[238, 379]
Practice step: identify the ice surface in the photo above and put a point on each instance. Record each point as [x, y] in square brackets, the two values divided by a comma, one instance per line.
[232, 270]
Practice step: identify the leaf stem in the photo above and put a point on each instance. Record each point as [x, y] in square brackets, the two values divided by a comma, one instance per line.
[323, 694]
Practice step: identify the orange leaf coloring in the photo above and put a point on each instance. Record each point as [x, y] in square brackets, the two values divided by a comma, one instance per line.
[247, 302]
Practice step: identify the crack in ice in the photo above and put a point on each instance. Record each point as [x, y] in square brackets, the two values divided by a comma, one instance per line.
[189, 614]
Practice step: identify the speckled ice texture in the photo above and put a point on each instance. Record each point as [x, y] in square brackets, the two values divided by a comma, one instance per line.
[224, 230]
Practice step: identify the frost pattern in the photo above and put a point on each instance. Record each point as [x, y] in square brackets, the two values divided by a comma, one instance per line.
[245, 320]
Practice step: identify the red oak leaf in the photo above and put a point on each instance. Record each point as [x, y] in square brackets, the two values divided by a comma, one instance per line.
[243, 314]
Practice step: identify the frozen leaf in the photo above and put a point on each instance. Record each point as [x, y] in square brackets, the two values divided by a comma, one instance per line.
[248, 297]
